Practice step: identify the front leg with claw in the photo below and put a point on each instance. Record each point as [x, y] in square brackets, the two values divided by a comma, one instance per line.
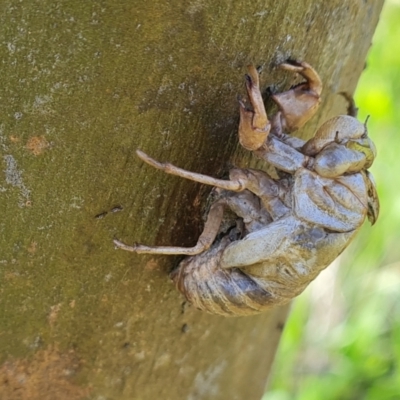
[296, 106]
[301, 102]
[254, 126]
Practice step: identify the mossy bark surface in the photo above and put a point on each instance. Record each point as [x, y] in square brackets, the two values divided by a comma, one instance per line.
[83, 85]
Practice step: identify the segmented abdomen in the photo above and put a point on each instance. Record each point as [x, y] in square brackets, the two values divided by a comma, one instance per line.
[228, 292]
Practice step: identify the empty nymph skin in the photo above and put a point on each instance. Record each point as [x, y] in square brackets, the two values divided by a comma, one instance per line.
[286, 230]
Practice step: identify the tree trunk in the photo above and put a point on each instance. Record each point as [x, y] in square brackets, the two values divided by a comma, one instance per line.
[84, 84]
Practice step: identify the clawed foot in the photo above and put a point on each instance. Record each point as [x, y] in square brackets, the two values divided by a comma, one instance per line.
[300, 103]
[296, 106]
[254, 126]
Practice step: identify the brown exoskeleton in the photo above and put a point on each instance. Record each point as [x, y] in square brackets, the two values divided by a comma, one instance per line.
[287, 229]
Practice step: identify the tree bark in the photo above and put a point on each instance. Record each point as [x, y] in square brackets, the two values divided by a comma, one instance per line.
[84, 84]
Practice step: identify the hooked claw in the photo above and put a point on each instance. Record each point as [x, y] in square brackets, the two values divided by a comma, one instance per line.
[254, 126]
[300, 103]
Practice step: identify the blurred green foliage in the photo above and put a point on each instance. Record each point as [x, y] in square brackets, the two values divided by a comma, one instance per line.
[342, 340]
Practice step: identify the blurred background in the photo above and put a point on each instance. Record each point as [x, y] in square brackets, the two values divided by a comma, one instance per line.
[342, 340]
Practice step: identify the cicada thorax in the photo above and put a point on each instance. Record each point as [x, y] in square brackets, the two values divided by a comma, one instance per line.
[337, 129]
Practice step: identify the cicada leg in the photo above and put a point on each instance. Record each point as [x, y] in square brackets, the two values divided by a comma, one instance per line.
[301, 102]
